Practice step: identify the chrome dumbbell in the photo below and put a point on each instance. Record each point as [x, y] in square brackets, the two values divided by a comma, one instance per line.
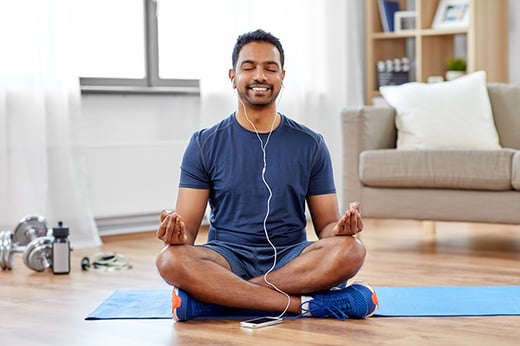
[38, 254]
[7, 250]
[32, 232]
[29, 238]
[30, 228]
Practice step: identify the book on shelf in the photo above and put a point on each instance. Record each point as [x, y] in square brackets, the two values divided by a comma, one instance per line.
[387, 9]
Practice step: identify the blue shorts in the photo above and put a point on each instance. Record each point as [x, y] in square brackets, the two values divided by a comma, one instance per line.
[249, 261]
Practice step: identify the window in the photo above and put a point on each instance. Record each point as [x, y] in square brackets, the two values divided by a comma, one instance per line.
[132, 46]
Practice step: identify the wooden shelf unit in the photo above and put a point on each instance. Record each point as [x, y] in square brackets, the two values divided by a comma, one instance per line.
[486, 37]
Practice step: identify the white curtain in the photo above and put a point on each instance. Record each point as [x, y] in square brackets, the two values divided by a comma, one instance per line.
[41, 167]
[323, 42]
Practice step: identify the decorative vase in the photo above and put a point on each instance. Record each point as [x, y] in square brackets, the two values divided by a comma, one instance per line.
[451, 75]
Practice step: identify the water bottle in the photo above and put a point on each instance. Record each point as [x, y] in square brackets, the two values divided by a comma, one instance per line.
[60, 250]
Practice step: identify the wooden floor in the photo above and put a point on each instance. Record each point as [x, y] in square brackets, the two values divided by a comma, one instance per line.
[47, 309]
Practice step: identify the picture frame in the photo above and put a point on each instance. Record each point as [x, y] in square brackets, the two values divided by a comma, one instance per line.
[405, 20]
[451, 14]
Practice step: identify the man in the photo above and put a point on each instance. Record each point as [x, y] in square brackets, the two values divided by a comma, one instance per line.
[258, 168]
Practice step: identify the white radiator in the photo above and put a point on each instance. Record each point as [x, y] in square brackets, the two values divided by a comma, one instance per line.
[129, 184]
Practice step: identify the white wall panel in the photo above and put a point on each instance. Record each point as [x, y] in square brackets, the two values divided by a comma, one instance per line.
[133, 179]
[134, 146]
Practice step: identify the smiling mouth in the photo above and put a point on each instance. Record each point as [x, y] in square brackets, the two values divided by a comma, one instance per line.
[260, 89]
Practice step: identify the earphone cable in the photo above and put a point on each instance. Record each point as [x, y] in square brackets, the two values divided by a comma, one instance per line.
[263, 147]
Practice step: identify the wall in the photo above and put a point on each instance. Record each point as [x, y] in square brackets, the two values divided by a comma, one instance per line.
[134, 144]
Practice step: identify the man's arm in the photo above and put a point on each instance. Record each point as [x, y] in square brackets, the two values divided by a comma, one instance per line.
[327, 222]
[182, 225]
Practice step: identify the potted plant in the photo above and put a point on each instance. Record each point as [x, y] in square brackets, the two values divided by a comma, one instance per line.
[455, 67]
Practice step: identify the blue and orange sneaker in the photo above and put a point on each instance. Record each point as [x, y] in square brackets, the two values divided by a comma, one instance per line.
[185, 307]
[358, 300]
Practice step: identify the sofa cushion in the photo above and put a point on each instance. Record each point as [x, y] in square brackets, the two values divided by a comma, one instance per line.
[449, 115]
[515, 180]
[505, 102]
[452, 169]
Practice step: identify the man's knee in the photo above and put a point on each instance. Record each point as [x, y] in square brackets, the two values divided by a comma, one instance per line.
[350, 250]
[178, 264]
[357, 251]
[169, 264]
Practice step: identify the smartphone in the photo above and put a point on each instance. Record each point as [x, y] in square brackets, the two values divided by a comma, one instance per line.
[261, 322]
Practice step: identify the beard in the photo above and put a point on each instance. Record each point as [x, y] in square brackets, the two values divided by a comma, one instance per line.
[257, 99]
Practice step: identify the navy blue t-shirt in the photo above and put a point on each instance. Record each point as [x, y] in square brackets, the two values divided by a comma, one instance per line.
[227, 160]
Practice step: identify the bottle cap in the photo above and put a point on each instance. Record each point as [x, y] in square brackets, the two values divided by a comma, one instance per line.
[60, 231]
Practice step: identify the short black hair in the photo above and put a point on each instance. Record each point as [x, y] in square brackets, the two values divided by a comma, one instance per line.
[258, 35]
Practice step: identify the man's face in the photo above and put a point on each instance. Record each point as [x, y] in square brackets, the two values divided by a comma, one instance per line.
[258, 74]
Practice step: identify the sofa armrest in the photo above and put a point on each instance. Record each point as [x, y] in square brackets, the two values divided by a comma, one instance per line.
[363, 128]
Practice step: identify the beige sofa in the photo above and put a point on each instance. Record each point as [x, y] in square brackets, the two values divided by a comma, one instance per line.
[439, 185]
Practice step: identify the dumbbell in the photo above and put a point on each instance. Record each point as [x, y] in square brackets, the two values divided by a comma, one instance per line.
[7, 250]
[30, 228]
[38, 254]
[29, 238]
[32, 232]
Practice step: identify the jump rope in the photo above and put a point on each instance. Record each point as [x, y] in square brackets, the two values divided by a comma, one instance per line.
[263, 147]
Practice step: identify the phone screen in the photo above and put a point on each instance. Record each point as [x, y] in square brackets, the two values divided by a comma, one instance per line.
[261, 322]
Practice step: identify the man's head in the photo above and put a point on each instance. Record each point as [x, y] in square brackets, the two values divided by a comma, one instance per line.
[257, 73]
[258, 35]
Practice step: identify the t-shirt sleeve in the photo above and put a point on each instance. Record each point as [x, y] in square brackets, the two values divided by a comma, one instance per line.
[322, 176]
[193, 169]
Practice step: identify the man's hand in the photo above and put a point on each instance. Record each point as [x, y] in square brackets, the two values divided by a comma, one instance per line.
[351, 222]
[172, 230]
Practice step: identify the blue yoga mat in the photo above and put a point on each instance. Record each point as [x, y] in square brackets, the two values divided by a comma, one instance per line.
[393, 302]
[134, 304]
[152, 304]
[448, 301]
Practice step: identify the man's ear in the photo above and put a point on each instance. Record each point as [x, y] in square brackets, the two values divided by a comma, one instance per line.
[231, 75]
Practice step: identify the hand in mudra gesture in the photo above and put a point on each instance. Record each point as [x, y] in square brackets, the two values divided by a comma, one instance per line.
[350, 223]
[171, 229]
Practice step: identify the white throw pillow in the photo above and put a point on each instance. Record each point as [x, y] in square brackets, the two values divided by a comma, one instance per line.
[448, 115]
